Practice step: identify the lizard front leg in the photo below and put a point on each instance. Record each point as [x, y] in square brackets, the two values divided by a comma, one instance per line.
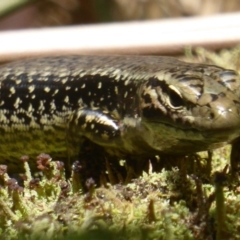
[91, 131]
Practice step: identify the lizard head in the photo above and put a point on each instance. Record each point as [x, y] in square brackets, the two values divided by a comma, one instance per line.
[193, 107]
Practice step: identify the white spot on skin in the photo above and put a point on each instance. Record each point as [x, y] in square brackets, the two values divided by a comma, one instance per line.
[15, 119]
[47, 89]
[45, 73]
[80, 102]
[33, 96]
[1, 103]
[64, 73]
[56, 79]
[31, 88]
[99, 85]
[18, 81]
[126, 82]
[17, 102]
[83, 86]
[92, 126]
[41, 106]
[125, 94]
[67, 88]
[55, 92]
[66, 99]
[101, 99]
[30, 108]
[64, 80]
[12, 90]
[44, 120]
[52, 106]
[116, 89]
[3, 118]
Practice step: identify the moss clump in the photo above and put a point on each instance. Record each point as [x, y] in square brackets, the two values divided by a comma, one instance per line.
[165, 205]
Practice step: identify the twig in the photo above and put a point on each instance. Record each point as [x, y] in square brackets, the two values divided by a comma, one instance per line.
[139, 37]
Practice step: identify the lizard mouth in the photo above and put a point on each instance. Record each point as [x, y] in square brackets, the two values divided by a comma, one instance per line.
[200, 131]
[172, 140]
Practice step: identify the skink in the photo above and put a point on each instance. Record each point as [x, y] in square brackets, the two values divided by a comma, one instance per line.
[129, 105]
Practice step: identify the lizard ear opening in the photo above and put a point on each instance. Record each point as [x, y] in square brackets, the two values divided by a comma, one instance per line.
[174, 99]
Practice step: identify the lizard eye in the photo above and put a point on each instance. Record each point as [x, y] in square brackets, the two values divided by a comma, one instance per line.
[174, 98]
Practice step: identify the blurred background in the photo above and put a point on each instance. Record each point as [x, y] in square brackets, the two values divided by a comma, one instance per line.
[15, 14]
[155, 27]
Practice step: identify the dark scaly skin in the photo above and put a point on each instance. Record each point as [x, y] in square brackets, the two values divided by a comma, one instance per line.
[130, 105]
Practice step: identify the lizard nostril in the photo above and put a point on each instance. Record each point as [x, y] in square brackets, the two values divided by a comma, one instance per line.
[211, 115]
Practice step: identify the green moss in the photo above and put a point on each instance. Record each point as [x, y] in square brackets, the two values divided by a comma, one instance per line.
[165, 205]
